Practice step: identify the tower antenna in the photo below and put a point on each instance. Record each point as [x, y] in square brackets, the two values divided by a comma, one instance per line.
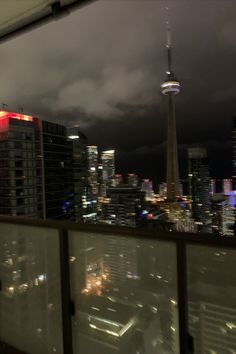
[168, 41]
[4, 105]
[170, 88]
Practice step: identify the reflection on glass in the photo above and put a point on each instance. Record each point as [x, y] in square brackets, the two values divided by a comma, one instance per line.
[125, 295]
[30, 304]
[212, 305]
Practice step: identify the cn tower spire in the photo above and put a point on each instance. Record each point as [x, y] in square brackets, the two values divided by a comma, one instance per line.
[168, 44]
[170, 88]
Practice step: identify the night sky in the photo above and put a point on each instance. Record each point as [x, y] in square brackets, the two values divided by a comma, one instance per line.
[102, 66]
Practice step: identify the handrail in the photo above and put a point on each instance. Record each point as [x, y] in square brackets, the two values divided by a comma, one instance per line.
[189, 238]
[181, 240]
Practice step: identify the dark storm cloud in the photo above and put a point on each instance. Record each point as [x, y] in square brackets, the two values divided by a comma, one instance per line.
[93, 61]
[102, 67]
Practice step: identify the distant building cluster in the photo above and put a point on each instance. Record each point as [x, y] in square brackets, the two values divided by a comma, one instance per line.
[50, 171]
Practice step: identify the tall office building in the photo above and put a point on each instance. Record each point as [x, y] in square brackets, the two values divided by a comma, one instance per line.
[117, 180]
[92, 155]
[223, 215]
[226, 185]
[199, 185]
[18, 180]
[101, 186]
[83, 201]
[57, 171]
[147, 188]
[212, 186]
[108, 164]
[108, 168]
[36, 175]
[163, 190]
[170, 88]
[133, 180]
[234, 154]
[124, 206]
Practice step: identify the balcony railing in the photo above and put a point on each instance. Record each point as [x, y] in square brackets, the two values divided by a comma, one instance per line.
[88, 289]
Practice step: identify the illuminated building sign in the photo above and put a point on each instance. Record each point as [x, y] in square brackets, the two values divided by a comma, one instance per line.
[109, 152]
[4, 115]
[73, 137]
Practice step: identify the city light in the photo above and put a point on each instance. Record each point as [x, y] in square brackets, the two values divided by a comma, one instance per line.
[73, 137]
[4, 115]
[165, 283]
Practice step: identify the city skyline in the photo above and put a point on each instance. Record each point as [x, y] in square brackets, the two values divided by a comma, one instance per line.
[115, 234]
[134, 106]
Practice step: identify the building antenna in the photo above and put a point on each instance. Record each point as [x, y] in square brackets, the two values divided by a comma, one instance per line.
[168, 41]
[4, 106]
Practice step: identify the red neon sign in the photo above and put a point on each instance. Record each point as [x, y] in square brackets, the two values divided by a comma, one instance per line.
[4, 114]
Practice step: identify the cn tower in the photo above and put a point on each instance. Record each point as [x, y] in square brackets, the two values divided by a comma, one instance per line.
[170, 88]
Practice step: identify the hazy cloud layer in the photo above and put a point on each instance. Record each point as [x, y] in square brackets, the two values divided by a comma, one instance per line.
[94, 61]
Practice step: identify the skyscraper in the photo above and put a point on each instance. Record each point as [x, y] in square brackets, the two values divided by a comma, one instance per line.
[124, 207]
[223, 215]
[92, 153]
[108, 167]
[36, 160]
[18, 161]
[133, 180]
[108, 163]
[213, 186]
[199, 185]
[226, 185]
[117, 180]
[57, 171]
[163, 190]
[170, 88]
[83, 204]
[147, 188]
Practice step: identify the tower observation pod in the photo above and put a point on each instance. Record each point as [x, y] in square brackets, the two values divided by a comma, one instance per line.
[171, 87]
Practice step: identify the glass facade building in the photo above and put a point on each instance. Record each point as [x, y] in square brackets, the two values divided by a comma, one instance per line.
[123, 206]
[57, 171]
[18, 180]
[92, 155]
[37, 170]
[108, 168]
[199, 186]
[81, 187]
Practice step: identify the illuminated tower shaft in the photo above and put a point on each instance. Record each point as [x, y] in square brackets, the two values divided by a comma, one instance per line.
[172, 172]
[170, 88]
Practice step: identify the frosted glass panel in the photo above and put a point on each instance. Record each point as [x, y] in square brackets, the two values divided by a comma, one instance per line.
[212, 299]
[30, 303]
[125, 294]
